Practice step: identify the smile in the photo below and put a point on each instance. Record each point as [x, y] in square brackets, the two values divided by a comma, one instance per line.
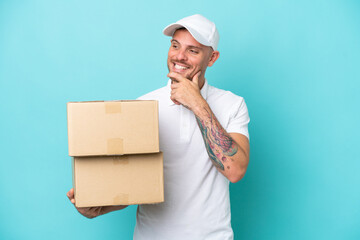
[179, 67]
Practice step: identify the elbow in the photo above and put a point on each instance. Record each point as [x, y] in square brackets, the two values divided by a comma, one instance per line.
[236, 177]
[238, 170]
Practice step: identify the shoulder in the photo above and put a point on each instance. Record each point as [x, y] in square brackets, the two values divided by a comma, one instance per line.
[219, 96]
[230, 109]
[226, 104]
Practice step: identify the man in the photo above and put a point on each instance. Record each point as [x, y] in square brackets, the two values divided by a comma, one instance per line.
[204, 138]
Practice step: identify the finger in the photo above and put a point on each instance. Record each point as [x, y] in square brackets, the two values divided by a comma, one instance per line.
[196, 77]
[176, 77]
[70, 194]
[174, 101]
[173, 95]
[174, 85]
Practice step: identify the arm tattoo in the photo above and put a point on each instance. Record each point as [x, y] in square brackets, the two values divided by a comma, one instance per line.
[219, 145]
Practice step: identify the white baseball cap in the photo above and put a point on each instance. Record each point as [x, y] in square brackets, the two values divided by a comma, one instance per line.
[202, 29]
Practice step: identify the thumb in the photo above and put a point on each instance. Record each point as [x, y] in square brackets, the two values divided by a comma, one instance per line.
[196, 77]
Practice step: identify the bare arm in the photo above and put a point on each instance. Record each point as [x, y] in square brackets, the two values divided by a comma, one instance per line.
[91, 212]
[229, 152]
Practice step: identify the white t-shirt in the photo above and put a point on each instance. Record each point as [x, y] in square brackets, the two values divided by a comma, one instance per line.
[197, 202]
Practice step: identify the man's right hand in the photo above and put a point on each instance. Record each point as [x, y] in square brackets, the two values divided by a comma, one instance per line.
[89, 212]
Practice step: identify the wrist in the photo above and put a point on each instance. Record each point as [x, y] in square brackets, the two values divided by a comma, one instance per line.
[201, 109]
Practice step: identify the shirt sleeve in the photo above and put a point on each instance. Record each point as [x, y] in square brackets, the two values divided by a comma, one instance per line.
[239, 119]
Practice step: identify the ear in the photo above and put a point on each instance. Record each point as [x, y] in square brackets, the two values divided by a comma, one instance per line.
[214, 56]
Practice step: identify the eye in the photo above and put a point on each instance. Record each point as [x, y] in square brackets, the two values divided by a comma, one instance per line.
[175, 46]
[193, 51]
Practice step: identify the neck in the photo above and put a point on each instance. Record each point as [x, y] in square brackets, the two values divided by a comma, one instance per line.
[201, 82]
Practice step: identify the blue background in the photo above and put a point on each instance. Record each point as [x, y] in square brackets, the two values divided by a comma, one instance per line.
[296, 63]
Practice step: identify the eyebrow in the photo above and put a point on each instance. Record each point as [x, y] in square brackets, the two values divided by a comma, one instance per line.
[190, 46]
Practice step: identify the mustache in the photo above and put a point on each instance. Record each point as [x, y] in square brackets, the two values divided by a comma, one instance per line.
[181, 62]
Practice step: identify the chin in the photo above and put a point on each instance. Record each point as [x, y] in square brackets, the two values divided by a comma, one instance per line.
[185, 75]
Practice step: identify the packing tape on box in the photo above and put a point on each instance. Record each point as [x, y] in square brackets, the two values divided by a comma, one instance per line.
[120, 160]
[115, 146]
[112, 107]
[121, 199]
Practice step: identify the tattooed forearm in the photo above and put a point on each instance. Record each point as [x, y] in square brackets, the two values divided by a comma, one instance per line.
[219, 145]
[209, 146]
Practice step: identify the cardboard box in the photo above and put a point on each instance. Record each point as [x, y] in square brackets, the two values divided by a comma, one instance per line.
[113, 127]
[118, 180]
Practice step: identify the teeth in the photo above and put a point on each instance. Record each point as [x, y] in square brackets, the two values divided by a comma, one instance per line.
[180, 67]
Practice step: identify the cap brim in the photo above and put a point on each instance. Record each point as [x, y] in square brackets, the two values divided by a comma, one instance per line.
[170, 30]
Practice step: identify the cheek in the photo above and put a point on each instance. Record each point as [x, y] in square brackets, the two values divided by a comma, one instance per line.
[194, 62]
[170, 54]
[202, 64]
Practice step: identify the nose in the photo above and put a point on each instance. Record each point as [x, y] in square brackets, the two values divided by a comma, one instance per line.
[181, 55]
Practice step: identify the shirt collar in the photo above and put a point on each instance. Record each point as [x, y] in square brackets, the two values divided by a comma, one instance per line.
[203, 91]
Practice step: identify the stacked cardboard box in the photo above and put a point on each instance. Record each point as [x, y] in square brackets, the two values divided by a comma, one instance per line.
[115, 150]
